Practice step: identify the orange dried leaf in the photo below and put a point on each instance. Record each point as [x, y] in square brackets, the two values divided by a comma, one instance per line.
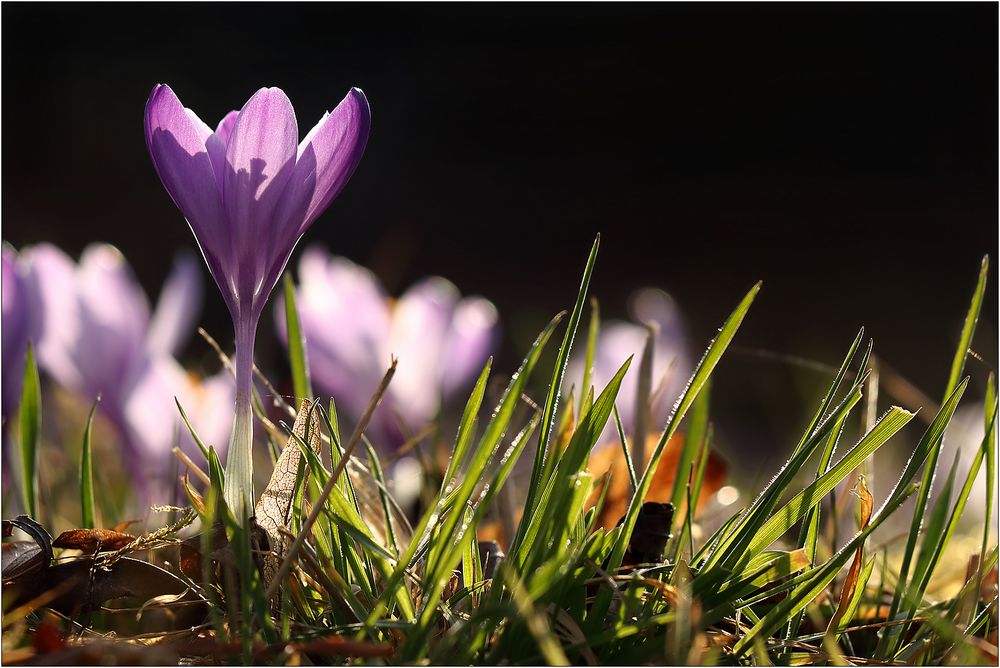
[610, 457]
[92, 540]
[851, 583]
[343, 647]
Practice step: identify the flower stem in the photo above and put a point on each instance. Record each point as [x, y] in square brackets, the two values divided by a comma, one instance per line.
[239, 461]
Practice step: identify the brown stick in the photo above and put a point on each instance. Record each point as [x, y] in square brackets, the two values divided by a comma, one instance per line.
[286, 565]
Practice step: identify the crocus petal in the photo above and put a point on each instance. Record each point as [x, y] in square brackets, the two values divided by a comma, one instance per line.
[345, 360]
[52, 275]
[177, 145]
[326, 160]
[177, 307]
[208, 404]
[216, 145]
[150, 412]
[114, 317]
[655, 305]
[420, 323]
[16, 328]
[470, 338]
[225, 128]
[260, 155]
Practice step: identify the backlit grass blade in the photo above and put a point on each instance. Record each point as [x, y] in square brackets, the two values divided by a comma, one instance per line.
[991, 398]
[731, 547]
[31, 428]
[296, 345]
[819, 578]
[940, 541]
[935, 521]
[629, 466]
[466, 426]
[968, 327]
[831, 392]
[927, 482]
[588, 363]
[487, 444]
[555, 389]
[194, 434]
[697, 428]
[701, 375]
[571, 463]
[87, 474]
[787, 516]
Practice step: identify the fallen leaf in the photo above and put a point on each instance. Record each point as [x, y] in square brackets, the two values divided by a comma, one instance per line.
[610, 457]
[343, 647]
[273, 511]
[83, 588]
[847, 592]
[25, 560]
[90, 541]
[22, 559]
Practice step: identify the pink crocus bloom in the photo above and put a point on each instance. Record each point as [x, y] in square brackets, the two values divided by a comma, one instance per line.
[249, 191]
[618, 339]
[96, 336]
[352, 329]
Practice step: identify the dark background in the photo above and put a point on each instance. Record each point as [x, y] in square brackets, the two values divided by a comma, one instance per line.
[846, 154]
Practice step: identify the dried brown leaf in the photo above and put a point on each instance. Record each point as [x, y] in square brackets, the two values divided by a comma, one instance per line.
[273, 511]
[851, 583]
[343, 647]
[90, 541]
[610, 458]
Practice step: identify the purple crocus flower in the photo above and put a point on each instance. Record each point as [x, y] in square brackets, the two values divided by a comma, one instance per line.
[352, 329]
[21, 322]
[99, 338]
[249, 191]
[617, 340]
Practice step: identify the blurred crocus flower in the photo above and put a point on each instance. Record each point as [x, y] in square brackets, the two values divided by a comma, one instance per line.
[21, 322]
[352, 329]
[249, 191]
[617, 340]
[97, 337]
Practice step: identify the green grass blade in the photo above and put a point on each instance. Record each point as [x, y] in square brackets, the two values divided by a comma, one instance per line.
[968, 327]
[31, 428]
[194, 434]
[487, 443]
[555, 388]
[935, 521]
[466, 426]
[588, 363]
[940, 541]
[991, 398]
[375, 466]
[571, 463]
[634, 484]
[697, 427]
[785, 518]
[820, 578]
[701, 375]
[87, 474]
[297, 359]
[835, 385]
[957, 366]
[731, 547]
